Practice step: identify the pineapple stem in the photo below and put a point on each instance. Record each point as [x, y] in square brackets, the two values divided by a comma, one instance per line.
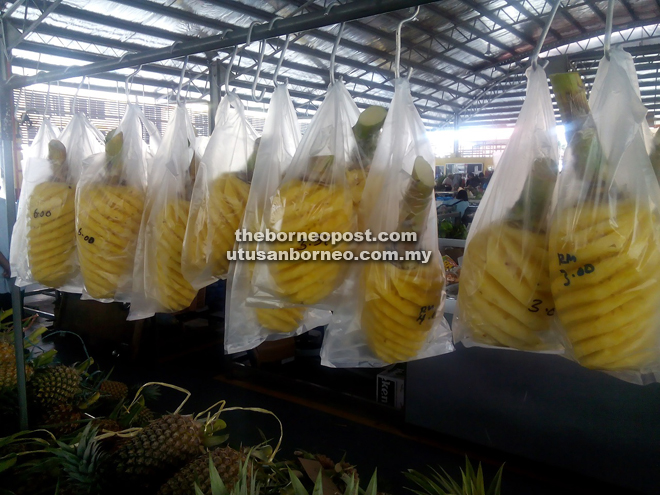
[572, 101]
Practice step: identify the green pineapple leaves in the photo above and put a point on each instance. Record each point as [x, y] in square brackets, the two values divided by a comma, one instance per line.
[442, 484]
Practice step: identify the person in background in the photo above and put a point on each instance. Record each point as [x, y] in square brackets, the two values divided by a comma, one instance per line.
[473, 181]
[447, 182]
[457, 182]
[462, 202]
[486, 179]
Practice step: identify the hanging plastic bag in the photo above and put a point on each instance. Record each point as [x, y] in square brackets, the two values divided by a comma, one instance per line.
[158, 283]
[504, 297]
[44, 243]
[219, 195]
[315, 196]
[393, 307]
[109, 204]
[605, 236]
[247, 327]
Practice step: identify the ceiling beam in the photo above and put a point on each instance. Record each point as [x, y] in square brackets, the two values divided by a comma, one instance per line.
[495, 18]
[534, 17]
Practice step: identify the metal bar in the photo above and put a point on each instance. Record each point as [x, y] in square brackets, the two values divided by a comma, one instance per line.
[52, 6]
[569, 17]
[12, 8]
[534, 18]
[457, 120]
[40, 312]
[493, 17]
[214, 92]
[594, 8]
[539, 44]
[7, 131]
[629, 8]
[303, 22]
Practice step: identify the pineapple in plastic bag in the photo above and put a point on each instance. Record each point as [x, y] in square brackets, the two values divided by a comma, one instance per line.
[504, 294]
[108, 222]
[605, 237]
[51, 225]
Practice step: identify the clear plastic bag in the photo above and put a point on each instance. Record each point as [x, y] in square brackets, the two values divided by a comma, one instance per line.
[247, 327]
[109, 204]
[158, 284]
[44, 242]
[392, 311]
[504, 297]
[315, 195]
[220, 194]
[605, 235]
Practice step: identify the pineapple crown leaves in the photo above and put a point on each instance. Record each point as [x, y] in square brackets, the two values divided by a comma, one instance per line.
[79, 462]
[246, 484]
[25, 442]
[471, 482]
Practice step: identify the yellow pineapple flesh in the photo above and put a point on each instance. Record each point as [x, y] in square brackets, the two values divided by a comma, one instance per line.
[400, 305]
[219, 218]
[51, 233]
[108, 226]
[504, 292]
[309, 206]
[605, 271]
[173, 291]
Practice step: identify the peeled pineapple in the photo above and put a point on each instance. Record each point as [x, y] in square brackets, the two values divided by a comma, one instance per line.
[108, 225]
[283, 320]
[606, 284]
[51, 225]
[226, 205]
[310, 206]
[400, 305]
[174, 292]
[505, 289]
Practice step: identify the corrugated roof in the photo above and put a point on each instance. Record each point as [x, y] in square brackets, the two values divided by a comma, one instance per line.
[468, 56]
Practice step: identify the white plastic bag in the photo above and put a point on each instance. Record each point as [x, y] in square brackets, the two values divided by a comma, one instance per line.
[219, 195]
[504, 297]
[605, 236]
[315, 196]
[158, 284]
[44, 242]
[109, 204]
[392, 311]
[247, 327]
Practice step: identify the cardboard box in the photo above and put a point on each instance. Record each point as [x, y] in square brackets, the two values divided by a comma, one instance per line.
[390, 387]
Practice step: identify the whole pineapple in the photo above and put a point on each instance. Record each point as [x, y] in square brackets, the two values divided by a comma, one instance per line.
[173, 291]
[310, 206]
[226, 460]
[113, 391]
[8, 378]
[62, 419]
[51, 224]
[162, 446]
[54, 385]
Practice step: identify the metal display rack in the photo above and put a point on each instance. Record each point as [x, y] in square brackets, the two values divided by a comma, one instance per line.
[469, 56]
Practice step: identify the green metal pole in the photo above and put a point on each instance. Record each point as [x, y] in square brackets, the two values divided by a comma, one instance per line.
[7, 131]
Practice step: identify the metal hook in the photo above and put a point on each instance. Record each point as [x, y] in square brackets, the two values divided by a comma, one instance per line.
[539, 45]
[183, 74]
[279, 62]
[607, 43]
[228, 70]
[129, 83]
[397, 60]
[47, 100]
[334, 53]
[249, 35]
[75, 96]
[330, 7]
[256, 76]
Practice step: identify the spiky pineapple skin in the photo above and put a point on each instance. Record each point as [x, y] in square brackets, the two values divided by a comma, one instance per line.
[107, 222]
[105, 425]
[143, 418]
[172, 291]
[61, 419]
[113, 390]
[309, 206]
[163, 445]
[227, 462]
[51, 233]
[55, 385]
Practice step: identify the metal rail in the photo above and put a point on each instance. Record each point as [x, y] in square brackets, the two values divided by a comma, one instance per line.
[304, 22]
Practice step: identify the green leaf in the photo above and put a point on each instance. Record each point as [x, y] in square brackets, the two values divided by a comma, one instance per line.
[298, 488]
[495, 487]
[198, 490]
[8, 462]
[372, 488]
[318, 486]
[217, 485]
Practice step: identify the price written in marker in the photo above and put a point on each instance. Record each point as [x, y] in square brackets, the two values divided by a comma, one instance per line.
[565, 259]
